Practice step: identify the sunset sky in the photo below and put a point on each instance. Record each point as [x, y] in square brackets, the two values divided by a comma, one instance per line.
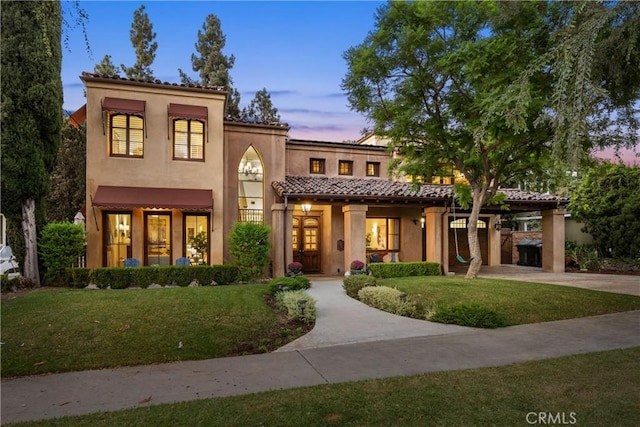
[292, 48]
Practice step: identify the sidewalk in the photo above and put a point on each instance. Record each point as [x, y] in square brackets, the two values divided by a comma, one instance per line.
[350, 342]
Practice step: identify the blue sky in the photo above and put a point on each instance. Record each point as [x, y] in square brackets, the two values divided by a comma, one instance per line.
[292, 48]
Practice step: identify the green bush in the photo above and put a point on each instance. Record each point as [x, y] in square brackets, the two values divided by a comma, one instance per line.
[353, 284]
[292, 283]
[292, 303]
[75, 277]
[249, 247]
[60, 246]
[385, 270]
[119, 278]
[473, 315]
[114, 277]
[387, 299]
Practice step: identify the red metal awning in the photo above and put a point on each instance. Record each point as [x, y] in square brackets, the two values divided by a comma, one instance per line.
[146, 197]
[125, 106]
[188, 111]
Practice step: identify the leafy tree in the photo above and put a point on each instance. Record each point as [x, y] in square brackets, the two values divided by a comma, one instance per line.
[61, 244]
[595, 58]
[67, 190]
[106, 67]
[607, 201]
[31, 115]
[424, 78]
[212, 65]
[142, 37]
[249, 246]
[261, 109]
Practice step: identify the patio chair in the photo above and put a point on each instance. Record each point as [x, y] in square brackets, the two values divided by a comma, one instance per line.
[131, 262]
[183, 261]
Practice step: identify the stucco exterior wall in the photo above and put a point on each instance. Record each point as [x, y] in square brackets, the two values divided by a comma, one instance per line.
[299, 155]
[157, 168]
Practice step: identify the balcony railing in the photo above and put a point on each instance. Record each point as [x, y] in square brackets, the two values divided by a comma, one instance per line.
[251, 215]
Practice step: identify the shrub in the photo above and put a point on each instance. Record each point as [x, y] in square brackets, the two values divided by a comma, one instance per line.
[357, 265]
[295, 269]
[60, 245]
[353, 284]
[298, 304]
[76, 277]
[387, 299]
[249, 246]
[291, 283]
[473, 315]
[404, 269]
[114, 277]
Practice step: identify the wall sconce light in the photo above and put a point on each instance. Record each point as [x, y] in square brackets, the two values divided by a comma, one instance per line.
[306, 208]
[498, 226]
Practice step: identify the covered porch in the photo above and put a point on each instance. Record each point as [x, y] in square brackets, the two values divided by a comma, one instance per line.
[419, 222]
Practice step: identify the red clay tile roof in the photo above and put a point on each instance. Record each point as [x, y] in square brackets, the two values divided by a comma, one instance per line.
[382, 190]
[87, 75]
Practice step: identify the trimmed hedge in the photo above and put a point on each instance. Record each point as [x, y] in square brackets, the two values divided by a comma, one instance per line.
[387, 299]
[290, 301]
[474, 315]
[120, 278]
[292, 283]
[352, 284]
[385, 270]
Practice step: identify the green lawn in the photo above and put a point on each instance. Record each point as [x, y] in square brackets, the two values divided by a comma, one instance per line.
[66, 330]
[598, 389]
[519, 302]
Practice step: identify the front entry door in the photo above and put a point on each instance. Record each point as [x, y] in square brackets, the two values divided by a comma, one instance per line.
[306, 243]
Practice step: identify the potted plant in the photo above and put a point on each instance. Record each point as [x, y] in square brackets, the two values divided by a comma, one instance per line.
[357, 267]
[200, 244]
[295, 269]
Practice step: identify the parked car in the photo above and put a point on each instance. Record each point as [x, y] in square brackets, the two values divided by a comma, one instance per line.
[8, 263]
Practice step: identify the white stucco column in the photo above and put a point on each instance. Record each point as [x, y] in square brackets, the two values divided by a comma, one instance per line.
[437, 238]
[355, 245]
[553, 240]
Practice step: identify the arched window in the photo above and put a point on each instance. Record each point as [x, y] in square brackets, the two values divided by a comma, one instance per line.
[251, 187]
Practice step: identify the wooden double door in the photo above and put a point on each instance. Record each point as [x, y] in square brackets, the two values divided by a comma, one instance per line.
[306, 241]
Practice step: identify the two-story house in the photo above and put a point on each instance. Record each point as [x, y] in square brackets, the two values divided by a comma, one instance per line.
[168, 175]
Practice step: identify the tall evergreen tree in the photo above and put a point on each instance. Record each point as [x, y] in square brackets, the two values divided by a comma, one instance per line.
[212, 65]
[261, 109]
[106, 67]
[31, 114]
[142, 37]
[67, 193]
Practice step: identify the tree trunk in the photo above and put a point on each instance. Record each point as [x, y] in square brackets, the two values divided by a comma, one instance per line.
[472, 232]
[30, 266]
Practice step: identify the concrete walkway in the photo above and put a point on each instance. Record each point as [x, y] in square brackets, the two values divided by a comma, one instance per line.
[350, 342]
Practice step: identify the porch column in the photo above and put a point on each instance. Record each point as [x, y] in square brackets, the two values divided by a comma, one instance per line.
[437, 238]
[495, 241]
[355, 245]
[553, 240]
[280, 239]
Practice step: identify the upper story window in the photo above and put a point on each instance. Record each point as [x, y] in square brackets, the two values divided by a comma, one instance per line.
[189, 131]
[373, 169]
[316, 165]
[126, 126]
[345, 167]
[188, 140]
[127, 135]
